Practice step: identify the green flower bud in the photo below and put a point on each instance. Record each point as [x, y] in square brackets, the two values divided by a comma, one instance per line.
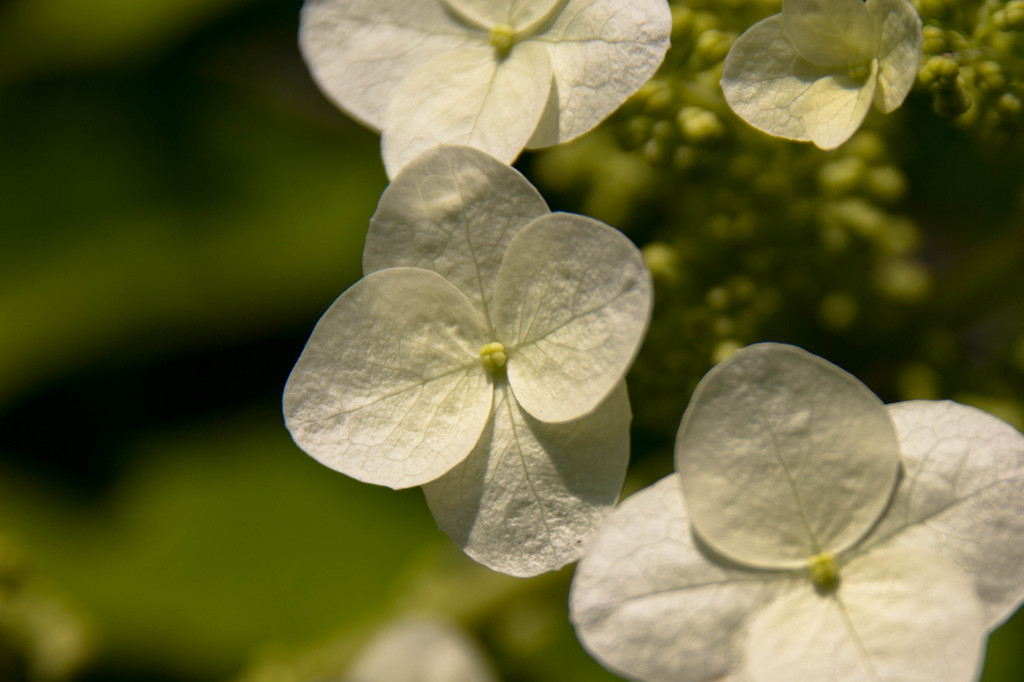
[901, 280]
[713, 45]
[682, 22]
[989, 76]
[656, 96]
[663, 261]
[699, 125]
[1008, 105]
[954, 101]
[856, 215]
[934, 40]
[938, 69]
[723, 349]
[887, 183]
[868, 145]
[1009, 18]
[841, 176]
[704, 21]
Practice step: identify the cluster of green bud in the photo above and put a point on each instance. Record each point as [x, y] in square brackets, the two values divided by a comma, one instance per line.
[1009, 17]
[941, 75]
[751, 237]
[974, 64]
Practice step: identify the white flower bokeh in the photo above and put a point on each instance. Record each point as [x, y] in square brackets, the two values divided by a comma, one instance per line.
[420, 649]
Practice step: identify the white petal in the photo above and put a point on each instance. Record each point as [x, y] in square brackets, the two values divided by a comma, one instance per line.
[899, 52]
[775, 90]
[961, 495]
[530, 495]
[898, 616]
[390, 388]
[522, 15]
[834, 107]
[360, 50]
[602, 51]
[452, 210]
[648, 603]
[420, 650]
[830, 33]
[469, 96]
[571, 304]
[783, 455]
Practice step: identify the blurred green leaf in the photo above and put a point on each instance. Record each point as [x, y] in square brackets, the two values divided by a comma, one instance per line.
[218, 540]
[39, 36]
[116, 235]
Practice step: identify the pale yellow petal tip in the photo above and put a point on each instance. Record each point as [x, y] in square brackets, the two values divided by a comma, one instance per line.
[493, 356]
[824, 572]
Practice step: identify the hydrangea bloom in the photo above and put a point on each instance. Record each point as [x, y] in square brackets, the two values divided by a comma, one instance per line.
[812, 72]
[482, 355]
[810, 533]
[498, 75]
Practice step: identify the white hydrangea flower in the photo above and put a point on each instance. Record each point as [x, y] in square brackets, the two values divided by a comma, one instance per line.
[498, 75]
[482, 356]
[810, 534]
[811, 72]
[420, 649]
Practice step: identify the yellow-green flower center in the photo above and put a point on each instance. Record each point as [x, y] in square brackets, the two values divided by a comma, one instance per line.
[859, 71]
[503, 37]
[493, 357]
[824, 572]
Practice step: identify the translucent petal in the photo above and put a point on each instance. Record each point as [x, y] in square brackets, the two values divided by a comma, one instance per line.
[522, 15]
[898, 616]
[899, 52]
[830, 33]
[469, 96]
[961, 494]
[648, 603]
[784, 455]
[531, 494]
[390, 388]
[602, 51]
[360, 50]
[420, 650]
[571, 304]
[833, 108]
[452, 210]
[771, 87]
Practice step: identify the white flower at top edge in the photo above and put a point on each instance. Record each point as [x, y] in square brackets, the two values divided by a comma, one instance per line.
[810, 534]
[482, 356]
[812, 72]
[498, 75]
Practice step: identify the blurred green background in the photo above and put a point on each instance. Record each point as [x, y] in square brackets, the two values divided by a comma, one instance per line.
[179, 204]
